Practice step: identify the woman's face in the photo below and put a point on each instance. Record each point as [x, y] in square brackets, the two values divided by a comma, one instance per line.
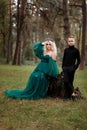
[71, 41]
[48, 46]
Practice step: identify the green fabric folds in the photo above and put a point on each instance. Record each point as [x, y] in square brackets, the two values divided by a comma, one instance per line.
[37, 84]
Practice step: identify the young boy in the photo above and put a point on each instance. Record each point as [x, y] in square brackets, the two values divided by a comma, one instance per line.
[70, 63]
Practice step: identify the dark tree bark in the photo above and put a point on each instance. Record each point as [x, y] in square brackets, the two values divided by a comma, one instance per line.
[82, 65]
[3, 27]
[66, 19]
[9, 46]
[3, 33]
[21, 6]
[15, 60]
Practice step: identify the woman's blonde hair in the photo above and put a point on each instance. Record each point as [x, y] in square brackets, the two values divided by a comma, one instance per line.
[54, 48]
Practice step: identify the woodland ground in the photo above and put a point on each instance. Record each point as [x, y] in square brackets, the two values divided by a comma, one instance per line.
[43, 114]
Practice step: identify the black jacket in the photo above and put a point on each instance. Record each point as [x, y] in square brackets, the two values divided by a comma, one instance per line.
[71, 57]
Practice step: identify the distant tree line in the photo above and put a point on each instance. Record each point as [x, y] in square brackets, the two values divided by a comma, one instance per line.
[24, 22]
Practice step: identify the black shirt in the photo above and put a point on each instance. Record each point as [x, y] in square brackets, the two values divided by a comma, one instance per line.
[71, 57]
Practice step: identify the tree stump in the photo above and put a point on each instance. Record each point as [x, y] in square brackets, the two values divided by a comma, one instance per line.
[56, 86]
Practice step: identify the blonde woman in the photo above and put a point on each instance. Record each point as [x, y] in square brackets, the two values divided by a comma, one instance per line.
[38, 82]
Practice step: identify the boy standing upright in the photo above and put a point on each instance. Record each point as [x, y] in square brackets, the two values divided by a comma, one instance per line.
[71, 61]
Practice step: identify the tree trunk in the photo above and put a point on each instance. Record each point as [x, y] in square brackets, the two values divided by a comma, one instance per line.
[66, 19]
[20, 22]
[15, 60]
[86, 40]
[4, 37]
[9, 36]
[4, 45]
[82, 65]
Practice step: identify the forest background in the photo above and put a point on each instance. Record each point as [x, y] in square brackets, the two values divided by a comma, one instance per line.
[23, 22]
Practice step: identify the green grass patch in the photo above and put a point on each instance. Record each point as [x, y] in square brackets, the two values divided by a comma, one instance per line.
[43, 114]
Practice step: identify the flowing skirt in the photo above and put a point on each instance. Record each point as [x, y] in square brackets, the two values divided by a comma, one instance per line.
[36, 88]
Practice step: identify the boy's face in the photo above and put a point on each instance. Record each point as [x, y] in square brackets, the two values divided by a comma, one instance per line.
[71, 41]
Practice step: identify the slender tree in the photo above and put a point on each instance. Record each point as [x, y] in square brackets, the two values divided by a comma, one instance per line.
[21, 7]
[82, 65]
[9, 49]
[66, 19]
[3, 25]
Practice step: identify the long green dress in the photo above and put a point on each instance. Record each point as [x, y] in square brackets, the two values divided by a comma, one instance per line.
[37, 85]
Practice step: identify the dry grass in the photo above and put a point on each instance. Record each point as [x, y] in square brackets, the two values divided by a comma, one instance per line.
[43, 114]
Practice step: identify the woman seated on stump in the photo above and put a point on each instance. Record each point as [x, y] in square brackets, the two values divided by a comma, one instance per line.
[38, 82]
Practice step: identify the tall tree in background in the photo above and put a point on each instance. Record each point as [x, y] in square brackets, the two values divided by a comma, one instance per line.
[9, 45]
[21, 7]
[82, 65]
[3, 25]
[66, 19]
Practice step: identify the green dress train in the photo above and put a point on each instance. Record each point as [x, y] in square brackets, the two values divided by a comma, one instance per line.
[37, 85]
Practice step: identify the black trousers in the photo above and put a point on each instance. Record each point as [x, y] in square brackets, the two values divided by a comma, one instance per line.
[68, 81]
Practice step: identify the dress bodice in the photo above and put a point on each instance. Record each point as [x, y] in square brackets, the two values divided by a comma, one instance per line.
[47, 64]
